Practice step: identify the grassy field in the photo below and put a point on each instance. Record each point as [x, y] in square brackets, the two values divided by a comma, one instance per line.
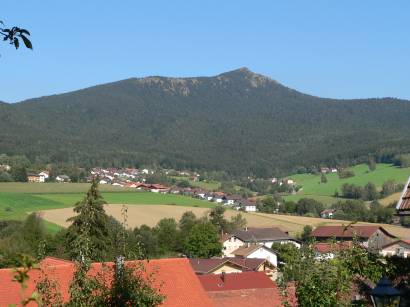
[151, 214]
[313, 188]
[41, 188]
[17, 205]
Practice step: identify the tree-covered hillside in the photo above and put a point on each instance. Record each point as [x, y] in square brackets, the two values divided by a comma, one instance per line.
[239, 121]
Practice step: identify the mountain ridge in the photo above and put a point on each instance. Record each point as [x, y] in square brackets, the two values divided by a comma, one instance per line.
[239, 122]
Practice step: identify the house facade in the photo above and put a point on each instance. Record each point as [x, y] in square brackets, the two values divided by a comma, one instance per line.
[257, 251]
[400, 248]
[371, 237]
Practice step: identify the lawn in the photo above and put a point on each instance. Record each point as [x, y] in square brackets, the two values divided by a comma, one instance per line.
[41, 188]
[16, 205]
[313, 188]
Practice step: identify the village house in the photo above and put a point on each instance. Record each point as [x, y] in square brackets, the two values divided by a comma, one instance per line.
[5, 167]
[266, 236]
[44, 174]
[63, 178]
[32, 177]
[230, 200]
[325, 170]
[324, 251]
[400, 248]
[257, 251]
[371, 237]
[229, 265]
[327, 213]
[248, 236]
[174, 278]
[403, 205]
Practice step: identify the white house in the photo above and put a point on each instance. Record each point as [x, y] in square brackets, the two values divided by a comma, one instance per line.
[63, 178]
[250, 236]
[44, 174]
[257, 251]
[399, 248]
[229, 244]
[250, 208]
[265, 236]
[327, 213]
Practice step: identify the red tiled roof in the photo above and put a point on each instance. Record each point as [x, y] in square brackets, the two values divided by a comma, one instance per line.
[174, 278]
[251, 298]
[406, 242]
[204, 266]
[325, 248]
[346, 232]
[404, 202]
[236, 281]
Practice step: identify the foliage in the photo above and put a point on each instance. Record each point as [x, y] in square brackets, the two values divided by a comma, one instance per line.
[90, 216]
[26, 264]
[372, 164]
[307, 231]
[326, 282]
[14, 35]
[203, 241]
[167, 234]
[345, 173]
[131, 286]
[307, 205]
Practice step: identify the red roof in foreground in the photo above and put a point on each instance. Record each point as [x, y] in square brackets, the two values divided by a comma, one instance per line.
[236, 281]
[174, 277]
[252, 298]
[347, 232]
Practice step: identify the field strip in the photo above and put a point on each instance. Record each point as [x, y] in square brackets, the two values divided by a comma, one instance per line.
[151, 214]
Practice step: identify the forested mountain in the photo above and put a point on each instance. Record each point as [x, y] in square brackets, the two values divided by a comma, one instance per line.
[239, 121]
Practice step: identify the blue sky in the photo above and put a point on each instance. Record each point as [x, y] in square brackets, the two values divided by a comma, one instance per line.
[340, 49]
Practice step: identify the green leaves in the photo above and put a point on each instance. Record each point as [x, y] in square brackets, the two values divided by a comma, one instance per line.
[14, 35]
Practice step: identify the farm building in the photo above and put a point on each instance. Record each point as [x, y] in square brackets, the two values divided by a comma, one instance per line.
[372, 237]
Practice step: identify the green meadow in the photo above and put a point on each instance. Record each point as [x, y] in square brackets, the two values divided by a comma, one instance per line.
[19, 199]
[313, 188]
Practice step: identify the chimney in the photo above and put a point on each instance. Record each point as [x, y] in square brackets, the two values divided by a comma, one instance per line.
[223, 276]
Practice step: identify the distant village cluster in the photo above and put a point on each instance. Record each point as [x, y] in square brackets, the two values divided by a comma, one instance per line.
[135, 178]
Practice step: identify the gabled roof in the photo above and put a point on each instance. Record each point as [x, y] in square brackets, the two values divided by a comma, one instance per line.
[324, 248]
[252, 297]
[347, 231]
[261, 234]
[404, 202]
[401, 242]
[205, 266]
[236, 281]
[173, 277]
[245, 251]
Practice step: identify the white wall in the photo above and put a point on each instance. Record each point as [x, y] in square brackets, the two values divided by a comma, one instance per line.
[262, 253]
[230, 245]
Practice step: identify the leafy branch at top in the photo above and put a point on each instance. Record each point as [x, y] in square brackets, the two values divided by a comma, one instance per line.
[14, 35]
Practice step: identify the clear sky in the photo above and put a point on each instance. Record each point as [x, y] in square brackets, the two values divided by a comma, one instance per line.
[340, 49]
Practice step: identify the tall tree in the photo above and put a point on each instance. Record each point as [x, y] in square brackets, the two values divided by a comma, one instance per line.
[203, 241]
[90, 223]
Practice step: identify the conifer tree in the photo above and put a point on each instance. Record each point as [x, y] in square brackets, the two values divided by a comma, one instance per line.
[90, 224]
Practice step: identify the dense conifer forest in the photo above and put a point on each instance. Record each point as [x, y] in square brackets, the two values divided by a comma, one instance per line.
[238, 122]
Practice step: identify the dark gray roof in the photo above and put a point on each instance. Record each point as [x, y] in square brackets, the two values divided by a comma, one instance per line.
[261, 234]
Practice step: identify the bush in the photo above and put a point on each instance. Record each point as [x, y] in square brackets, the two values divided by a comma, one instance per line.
[346, 173]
